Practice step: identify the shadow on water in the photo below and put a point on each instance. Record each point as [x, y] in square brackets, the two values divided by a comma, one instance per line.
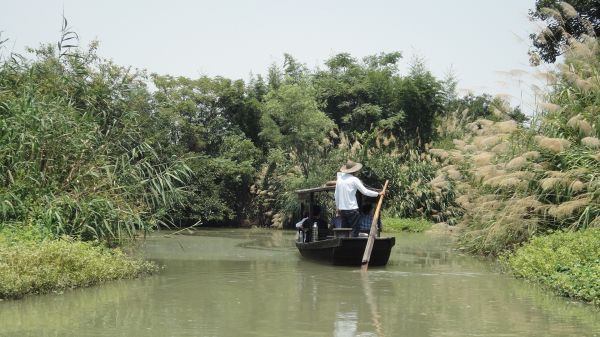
[236, 282]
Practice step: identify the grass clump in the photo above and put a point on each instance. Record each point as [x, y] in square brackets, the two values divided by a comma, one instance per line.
[393, 225]
[35, 267]
[567, 262]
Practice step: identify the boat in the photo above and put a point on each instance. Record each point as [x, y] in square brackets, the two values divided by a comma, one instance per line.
[339, 248]
[347, 251]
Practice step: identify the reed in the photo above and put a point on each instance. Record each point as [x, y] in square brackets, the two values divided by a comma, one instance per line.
[517, 182]
[74, 156]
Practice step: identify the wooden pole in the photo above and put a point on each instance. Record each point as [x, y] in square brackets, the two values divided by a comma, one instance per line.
[375, 317]
[372, 232]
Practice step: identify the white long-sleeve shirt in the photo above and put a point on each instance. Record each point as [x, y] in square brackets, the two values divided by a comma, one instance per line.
[345, 191]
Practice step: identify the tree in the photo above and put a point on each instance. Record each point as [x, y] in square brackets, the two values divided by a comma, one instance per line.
[292, 121]
[210, 121]
[563, 23]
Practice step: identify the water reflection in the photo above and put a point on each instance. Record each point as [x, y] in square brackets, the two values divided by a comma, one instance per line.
[254, 283]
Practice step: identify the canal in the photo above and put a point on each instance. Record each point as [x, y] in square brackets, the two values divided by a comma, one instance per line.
[240, 282]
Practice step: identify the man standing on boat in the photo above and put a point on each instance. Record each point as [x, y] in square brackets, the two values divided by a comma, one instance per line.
[345, 195]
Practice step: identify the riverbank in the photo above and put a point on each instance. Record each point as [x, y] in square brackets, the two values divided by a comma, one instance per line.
[568, 263]
[413, 225]
[216, 281]
[29, 265]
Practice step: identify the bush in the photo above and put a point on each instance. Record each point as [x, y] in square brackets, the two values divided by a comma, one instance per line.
[514, 181]
[567, 262]
[35, 267]
[392, 225]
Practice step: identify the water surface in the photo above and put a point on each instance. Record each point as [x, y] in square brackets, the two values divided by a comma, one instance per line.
[236, 282]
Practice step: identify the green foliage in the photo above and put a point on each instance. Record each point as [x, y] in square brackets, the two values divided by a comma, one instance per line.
[410, 194]
[211, 123]
[567, 262]
[88, 151]
[35, 267]
[74, 158]
[394, 225]
[292, 121]
[565, 23]
[360, 96]
[514, 182]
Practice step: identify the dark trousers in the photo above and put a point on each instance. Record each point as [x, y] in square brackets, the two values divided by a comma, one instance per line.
[350, 220]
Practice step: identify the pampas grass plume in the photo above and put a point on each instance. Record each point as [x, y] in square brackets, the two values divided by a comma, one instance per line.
[516, 163]
[507, 126]
[577, 186]
[482, 159]
[470, 148]
[552, 144]
[568, 10]
[459, 144]
[439, 153]
[591, 142]
[566, 209]
[550, 183]
[501, 148]
[531, 155]
[550, 107]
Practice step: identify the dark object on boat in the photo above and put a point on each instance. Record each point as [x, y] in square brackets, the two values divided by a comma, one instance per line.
[340, 249]
[347, 251]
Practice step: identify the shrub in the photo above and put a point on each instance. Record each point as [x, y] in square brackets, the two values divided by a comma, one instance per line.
[405, 225]
[34, 267]
[567, 262]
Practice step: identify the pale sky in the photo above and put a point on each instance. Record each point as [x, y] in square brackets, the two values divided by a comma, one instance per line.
[481, 40]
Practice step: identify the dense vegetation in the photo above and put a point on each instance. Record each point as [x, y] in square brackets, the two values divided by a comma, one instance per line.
[567, 262]
[564, 23]
[391, 225]
[99, 152]
[515, 184]
[28, 265]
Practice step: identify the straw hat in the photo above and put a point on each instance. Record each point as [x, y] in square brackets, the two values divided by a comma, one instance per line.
[350, 167]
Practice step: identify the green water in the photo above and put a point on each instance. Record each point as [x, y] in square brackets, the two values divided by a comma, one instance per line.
[254, 283]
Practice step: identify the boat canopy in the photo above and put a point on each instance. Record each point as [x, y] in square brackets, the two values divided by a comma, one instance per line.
[324, 188]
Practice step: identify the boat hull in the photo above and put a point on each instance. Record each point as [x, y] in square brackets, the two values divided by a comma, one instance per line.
[347, 251]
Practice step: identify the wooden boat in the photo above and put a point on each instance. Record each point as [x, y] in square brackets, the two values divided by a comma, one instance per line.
[340, 249]
[347, 251]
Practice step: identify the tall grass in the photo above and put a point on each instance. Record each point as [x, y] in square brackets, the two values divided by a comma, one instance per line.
[515, 182]
[74, 156]
[35, 267]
